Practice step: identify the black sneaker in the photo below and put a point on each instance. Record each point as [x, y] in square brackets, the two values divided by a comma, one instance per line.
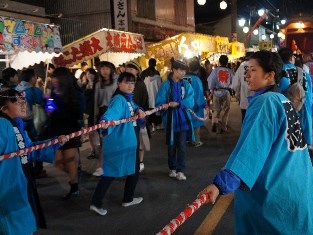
[70, 195]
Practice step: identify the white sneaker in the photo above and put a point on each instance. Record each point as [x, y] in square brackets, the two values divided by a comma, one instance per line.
[136, 200]
[98, 172]
[99, 211]
[200, 143]
[141, 167]
[172, 173]
[181, 176]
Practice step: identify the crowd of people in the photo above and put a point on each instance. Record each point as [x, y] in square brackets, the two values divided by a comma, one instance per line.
[262, 176]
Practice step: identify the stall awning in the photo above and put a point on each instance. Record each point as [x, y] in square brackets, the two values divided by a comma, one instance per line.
[25, 43]
[190, 44]
[112, 45]
[237, 50]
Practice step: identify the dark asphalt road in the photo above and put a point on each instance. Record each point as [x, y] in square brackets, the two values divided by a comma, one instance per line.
[164, 197]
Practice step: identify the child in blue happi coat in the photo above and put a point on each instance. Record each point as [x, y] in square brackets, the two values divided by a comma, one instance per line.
[120, 145]
[20, 208]
[176, 119]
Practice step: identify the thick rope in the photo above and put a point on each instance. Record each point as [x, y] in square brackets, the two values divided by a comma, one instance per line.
[84, 131]
[197, 117]
[76, 134]
[184, 215]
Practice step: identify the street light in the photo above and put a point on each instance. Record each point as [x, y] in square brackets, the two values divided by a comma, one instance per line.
[263, 37]
[223, 5]
[256, 32]
[241, 22]
[261, 12]
[271, 36]
[245, 29]
[201, 2]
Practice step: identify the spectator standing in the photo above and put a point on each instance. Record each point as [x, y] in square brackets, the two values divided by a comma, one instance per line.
[65, 119]
[152, 80]
[10, 75]
[141, 98]
[104, 90]
[240, 86]
[93, 137]
[34, 95]
[83, 68]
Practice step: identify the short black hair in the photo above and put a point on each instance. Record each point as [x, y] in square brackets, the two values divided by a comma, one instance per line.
[223, 60]
[8, 95]
[27, 75]
[126, 76]
[285, 54]
[8, 73]
[92, 71]
[269, 61]
[50, 66]
[83, 64]
[107, 64]
[177, 64]
[152, 62]
[194, 66]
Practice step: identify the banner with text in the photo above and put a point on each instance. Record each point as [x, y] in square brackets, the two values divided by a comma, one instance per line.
[98, 43]
[19, 35]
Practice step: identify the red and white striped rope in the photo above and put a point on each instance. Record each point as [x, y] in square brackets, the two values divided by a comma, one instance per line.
[76, 134]
[184, 215]
[196, 116]
[82, 132]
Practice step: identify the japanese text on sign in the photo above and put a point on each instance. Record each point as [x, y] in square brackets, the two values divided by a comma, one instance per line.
[120, 15]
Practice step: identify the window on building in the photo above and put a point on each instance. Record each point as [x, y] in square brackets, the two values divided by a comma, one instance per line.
[146, 9]
[180, 12]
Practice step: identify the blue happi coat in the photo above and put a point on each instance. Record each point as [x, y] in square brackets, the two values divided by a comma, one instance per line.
[187, 101]
[200, 102]
[16, 215]
[306, 112]
[119, 145]
[272, 161]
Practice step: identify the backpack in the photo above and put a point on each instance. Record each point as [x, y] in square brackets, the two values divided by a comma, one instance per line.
[296, 92]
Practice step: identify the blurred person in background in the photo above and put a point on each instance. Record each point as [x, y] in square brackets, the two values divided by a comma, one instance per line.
[66, 118]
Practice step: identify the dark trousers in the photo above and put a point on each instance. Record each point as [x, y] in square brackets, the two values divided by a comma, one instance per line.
[177, 152]
[33, 135]
[130, 184]
[243, 114]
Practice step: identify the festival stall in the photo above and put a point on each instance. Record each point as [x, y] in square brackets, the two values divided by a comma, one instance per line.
[26, 43]
[187, 45]
[237, 50]
[112, 45]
